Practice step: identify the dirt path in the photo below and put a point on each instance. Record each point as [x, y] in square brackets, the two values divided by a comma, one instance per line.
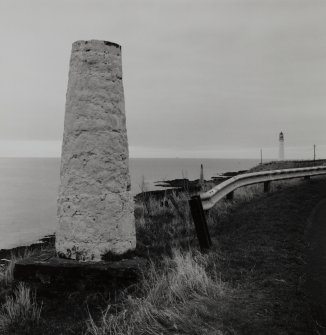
[316, 265]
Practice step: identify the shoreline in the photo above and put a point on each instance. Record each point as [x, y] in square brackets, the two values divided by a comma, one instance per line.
[46, 241]
[176, 186]
[255, 268]
[171, 186]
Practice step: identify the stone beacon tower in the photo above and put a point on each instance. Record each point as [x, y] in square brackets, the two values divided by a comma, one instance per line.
[281, 147]
[95, 205]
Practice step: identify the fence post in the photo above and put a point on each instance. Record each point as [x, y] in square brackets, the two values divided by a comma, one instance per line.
[267, 186]
[199, 218]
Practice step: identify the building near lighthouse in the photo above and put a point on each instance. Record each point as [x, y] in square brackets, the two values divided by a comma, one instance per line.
[281, 147]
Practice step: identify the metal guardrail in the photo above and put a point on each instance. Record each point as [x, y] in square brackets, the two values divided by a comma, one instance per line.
[205, 201]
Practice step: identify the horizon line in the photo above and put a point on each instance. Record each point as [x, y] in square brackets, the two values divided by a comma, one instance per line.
[269, 159]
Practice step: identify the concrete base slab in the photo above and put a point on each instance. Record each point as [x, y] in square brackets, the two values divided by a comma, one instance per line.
[46, 268]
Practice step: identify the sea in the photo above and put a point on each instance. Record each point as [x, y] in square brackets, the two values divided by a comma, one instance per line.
[29, 189]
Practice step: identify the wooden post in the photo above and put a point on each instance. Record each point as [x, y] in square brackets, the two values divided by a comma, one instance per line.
[267, 186]
[230, 195]
[201, 178]
[199, 218]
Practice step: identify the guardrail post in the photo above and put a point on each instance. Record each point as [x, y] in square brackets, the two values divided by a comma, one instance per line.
[230, 195]
[199, 218]
[267, 186]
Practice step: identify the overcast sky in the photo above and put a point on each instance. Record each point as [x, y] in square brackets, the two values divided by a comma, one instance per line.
[202, 78]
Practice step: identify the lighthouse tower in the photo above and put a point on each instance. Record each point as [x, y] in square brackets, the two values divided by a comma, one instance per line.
[281, 147]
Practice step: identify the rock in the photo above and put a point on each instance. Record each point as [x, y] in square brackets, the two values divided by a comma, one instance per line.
[95, 205]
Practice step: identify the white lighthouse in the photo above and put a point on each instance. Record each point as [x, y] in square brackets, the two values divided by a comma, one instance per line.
[281, 147]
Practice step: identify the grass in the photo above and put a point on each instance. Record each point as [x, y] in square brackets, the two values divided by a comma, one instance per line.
[251, 282]
[8, 265]
[176, 298]
[20, 312]
[268, 254]
[275, 165]
[6, 275]
[162, 229]
[255, 269]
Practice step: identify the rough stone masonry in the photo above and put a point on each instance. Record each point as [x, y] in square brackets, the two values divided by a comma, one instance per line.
[95, 205]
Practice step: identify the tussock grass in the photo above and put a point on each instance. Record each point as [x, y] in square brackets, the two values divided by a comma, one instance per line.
[7, 269]
[7, 277]
[7, 273]
[19, 311]
[163, 228]
[180, 297]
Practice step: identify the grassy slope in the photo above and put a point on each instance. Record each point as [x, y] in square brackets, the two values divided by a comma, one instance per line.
[263, 248]
[250, 283]
[287, 165]
[256, 268]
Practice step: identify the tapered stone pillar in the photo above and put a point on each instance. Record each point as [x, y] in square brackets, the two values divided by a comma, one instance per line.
[95, 206]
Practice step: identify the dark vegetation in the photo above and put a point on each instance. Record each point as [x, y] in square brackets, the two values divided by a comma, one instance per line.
[251, 282]
[288, 165]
